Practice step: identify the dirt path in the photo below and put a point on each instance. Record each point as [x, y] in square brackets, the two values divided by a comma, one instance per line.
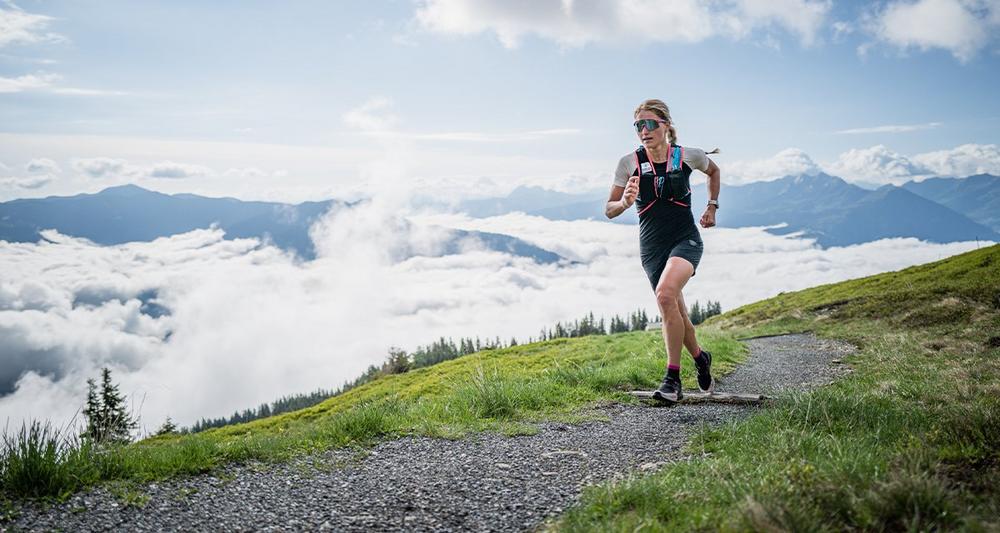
[485, 482]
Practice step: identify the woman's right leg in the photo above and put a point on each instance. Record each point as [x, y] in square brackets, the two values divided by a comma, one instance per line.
[675, 275]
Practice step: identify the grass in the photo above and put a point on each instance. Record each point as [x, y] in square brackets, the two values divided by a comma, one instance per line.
[909, 441]
[507, 391]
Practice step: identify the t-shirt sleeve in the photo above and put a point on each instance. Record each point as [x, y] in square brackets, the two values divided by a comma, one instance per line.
[696, 158]
[622, 172]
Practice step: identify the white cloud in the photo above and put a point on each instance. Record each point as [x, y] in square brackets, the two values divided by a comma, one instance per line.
[576, 23]
[373, 115]
[20, 27]
[34, 182]
[27, 82]
[42, 166]
[898, 128]
[962, 27]
[477, 137]
[788, 162]
[877, 164]
[964, 160]
[111, 168]
[172, 170]
[244, 172]
[77, 91]
[103, 167]
[44, 81]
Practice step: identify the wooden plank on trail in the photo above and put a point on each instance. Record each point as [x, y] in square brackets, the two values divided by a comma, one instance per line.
[701, 397]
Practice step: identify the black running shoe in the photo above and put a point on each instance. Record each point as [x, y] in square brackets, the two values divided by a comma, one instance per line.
[704, 364]
[670, 390]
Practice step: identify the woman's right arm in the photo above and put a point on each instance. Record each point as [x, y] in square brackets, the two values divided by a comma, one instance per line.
[622, 198]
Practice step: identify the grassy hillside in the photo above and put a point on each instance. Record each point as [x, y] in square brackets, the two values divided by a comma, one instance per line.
[503, 390]
[909, 441]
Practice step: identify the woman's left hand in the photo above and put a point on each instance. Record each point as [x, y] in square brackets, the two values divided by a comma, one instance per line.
[708, 219]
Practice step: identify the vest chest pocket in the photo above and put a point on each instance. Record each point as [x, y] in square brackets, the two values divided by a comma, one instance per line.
[676, 185]
[647, 185]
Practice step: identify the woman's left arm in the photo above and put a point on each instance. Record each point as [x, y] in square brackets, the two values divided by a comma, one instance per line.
[714, 182]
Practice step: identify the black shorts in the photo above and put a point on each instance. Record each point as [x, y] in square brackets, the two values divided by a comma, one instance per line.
[689, 248]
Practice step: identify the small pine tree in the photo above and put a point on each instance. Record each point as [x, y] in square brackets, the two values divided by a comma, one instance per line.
[108, 421]
[398, 361]
[695, 314]
[168, 428]
[93, 414]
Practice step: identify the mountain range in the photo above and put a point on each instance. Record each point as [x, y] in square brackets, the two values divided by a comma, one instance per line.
[819, 206]
[130, 213]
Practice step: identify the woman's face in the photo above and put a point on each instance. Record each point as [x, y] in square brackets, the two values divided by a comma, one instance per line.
[655, 138]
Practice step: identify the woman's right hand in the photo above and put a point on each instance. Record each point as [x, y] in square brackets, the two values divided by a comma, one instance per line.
[631, 191]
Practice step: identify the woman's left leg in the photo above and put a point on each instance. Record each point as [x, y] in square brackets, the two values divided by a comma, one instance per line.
[690, 340]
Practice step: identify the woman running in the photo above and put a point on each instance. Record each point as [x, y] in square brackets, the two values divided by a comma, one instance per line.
[656, 178]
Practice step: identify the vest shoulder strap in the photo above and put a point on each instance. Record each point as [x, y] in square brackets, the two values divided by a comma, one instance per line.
[676, 160]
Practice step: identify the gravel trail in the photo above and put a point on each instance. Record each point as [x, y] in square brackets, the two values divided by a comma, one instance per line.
[486, 482]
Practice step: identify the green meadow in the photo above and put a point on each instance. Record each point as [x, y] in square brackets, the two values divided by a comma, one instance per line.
[909, 441]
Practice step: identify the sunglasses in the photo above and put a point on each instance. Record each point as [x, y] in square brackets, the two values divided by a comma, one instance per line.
[647, 123]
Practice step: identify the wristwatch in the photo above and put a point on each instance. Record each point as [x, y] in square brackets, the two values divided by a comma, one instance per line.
[714, 202]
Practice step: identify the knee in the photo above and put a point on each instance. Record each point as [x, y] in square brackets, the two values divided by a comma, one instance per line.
[667, 299]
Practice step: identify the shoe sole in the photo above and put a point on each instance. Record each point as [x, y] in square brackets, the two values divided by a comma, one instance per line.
[711, 387]
[659, 396]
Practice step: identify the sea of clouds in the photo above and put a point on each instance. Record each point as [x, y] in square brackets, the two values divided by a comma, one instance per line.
[249, 323]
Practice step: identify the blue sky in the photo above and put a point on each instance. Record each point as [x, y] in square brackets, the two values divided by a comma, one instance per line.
[297, 99]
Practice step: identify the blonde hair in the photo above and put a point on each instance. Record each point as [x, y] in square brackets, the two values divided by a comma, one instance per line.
[661, 110]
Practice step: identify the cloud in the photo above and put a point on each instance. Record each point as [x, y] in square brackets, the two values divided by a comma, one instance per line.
[962, 27]
[964, 160]
[42, 166]
[575, 23]
[373, 115]
[478, 137]
[877, 164]
[103, 167]
[788, 162]
[27, 82]
[35, 182]
[874, 165]
[242, 308]
[20, 27]
[111, 168]
[245, 172]
[172, 170]
[903, 128]
[43, 82]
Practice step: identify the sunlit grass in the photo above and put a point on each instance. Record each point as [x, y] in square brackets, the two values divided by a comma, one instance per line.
[507, 390]
[909, 441]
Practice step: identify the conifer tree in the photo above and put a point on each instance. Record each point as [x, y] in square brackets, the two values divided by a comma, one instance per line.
[92, 413]
[167, 428]
[107, 418]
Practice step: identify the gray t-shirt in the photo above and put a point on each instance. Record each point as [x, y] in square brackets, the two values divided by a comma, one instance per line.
[694, 157]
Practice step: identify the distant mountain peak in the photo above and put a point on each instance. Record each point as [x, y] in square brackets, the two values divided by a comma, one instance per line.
[128, 188]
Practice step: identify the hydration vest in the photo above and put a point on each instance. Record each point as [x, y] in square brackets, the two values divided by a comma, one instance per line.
[674, 187]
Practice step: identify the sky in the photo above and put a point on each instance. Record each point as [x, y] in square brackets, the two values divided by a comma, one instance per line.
[385, 101]
[295, 100]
